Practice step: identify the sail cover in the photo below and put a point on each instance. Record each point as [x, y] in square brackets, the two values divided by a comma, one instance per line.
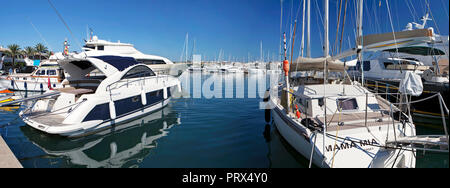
[317, 64]
[411, 84]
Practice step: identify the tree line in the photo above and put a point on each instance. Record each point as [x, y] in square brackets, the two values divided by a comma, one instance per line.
[14, 51]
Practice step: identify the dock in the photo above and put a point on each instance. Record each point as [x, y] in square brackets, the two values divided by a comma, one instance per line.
[7, 158]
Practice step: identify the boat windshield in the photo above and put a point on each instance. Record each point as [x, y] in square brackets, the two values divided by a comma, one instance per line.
[139, 72]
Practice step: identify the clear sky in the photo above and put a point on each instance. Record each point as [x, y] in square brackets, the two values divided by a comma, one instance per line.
[235, 26]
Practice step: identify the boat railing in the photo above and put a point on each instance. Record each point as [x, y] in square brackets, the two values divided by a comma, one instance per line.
[127, 82]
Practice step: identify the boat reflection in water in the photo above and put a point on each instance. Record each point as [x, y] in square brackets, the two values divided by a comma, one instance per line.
[124, 146]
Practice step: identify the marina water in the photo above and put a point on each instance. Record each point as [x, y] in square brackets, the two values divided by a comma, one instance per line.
[191, 132]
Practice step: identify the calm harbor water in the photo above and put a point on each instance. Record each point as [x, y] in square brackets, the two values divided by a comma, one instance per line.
[189, 133]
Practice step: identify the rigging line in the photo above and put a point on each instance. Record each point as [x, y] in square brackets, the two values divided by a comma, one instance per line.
[375, 15]
[42, 37]
[410, 11]
[293, 41]
[396, 14]
[67, 26]
[445, 8]
[414, 9]
[343, 26]
[392, 26]
[337, 29]
[319, 15]
[302, 46]
[431, 13]
[281, 28]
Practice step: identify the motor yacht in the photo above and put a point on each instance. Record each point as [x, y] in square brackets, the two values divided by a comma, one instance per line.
[125, 146]
[86, 104]
[49, 75]
[160, 65]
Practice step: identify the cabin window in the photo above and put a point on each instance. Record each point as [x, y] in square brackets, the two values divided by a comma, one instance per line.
[101, 48]
[139, 72]
[51, 72]
[386, 64]
[347, 104]
[40, 72]
[83, 65]
[90, 47]
[366, 65]
[151, 62]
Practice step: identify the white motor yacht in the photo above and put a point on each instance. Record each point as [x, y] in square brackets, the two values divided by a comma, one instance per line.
[49, 75]
[126, 145]
[128, 90]
[160, 65]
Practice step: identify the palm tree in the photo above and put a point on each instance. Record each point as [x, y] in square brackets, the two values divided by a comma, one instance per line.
[29, 51]
[13, 51]
[40, 49]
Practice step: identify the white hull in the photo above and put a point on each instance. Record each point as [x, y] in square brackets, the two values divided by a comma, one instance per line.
[299, 142]
[79, 130]
[359, 156]
[354, 138]
[20, 85]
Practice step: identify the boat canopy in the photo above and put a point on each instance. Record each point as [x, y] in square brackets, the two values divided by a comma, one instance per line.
[317, 64]
[108, 65]
[379, 42]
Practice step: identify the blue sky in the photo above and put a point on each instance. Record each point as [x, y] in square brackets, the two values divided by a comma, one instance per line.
[159, 26]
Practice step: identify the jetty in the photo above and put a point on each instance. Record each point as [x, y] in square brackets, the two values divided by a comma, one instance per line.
[7, 158]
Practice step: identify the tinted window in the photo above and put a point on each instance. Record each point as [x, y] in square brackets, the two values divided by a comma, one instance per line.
[90, 47]
[347, 104]
[40, 72]
[139, 72]
[51, 72]
[152, 62]
[101, 48]
[366, 65]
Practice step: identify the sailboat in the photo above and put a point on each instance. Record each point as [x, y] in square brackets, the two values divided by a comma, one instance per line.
[337, 123]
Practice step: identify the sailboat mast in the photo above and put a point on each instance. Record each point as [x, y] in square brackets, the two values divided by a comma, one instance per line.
[308, 28]
[286, 74]
[360, 42]
[326, 43]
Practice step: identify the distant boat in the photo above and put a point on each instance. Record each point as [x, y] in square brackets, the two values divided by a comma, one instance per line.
[7, 96]
[49, 75]
[128, 89]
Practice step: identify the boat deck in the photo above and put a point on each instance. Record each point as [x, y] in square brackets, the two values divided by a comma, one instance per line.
[357, 120]
[48, 119]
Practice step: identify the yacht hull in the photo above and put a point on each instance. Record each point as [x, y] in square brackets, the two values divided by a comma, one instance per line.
[91, 127]
[296, 137]
[360, 148]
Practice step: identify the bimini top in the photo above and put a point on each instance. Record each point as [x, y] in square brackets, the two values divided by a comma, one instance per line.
[109, 65]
